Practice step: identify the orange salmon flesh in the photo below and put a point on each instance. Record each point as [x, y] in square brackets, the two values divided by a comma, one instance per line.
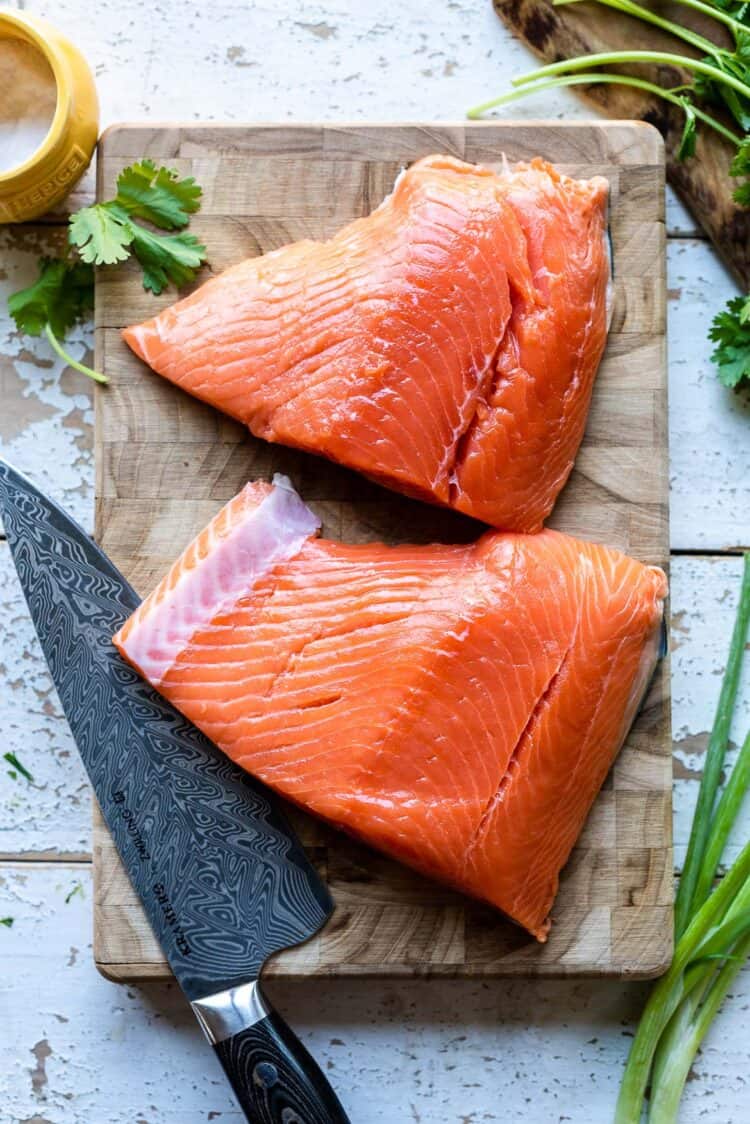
[445, 345]
[457, 707]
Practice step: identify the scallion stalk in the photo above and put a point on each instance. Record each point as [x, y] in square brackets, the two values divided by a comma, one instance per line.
[722, 823]
[714, 761]
[671, 989]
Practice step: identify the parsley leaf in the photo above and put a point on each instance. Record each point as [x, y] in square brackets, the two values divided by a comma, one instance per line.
[101, 233]
[167, 258]
[62, 294]
[7, 922]
[730, 331]
[157, 195]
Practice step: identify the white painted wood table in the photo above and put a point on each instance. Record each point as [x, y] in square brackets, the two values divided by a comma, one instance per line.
[75, 1049]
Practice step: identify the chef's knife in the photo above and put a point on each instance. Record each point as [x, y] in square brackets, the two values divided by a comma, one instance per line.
[221, 875]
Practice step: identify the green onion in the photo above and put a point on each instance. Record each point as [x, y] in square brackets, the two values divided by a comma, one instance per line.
[672, 988]
[714, 761]
[723, 820]
[688, 1027]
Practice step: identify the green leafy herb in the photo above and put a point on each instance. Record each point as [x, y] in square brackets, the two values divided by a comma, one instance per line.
[7, 922]
[16, 765]
[61, 295]
[730, 331]
[77, 890]
[101, 233]
[167, 258]
[157, 195]
[108, 234]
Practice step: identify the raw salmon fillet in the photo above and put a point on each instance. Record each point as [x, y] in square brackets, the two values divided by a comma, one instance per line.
[457, 707]
[446, 345]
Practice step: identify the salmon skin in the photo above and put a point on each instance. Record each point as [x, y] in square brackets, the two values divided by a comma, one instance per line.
[445, 346]
[457, 707]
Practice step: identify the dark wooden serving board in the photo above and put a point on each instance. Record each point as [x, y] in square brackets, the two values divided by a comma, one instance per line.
[166, 463]
[703, 182]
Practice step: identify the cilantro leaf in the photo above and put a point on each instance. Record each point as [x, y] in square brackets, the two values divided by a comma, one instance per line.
[167, 258]
[61, 295]
[107, 234]
[157, 195]
[101, 233]
[687, 141]
[730, 331]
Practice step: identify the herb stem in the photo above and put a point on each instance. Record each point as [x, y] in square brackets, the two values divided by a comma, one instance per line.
[716, 13]
[606, 58]
[717, 747]
[603, 78]
[647, 16]
[69, 360]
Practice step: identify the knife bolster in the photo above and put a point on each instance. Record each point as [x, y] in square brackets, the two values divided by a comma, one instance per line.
[225, 1014]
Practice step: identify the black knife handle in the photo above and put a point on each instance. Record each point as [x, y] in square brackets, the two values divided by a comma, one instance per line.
[274, 1078]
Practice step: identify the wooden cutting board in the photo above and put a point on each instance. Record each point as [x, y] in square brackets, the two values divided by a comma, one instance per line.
[562, 32]
[166, 463]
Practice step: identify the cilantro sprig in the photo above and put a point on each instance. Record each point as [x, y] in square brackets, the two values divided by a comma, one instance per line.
[110, 233]
[730, 332]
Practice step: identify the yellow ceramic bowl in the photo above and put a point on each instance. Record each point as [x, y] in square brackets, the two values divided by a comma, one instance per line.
[48, 175]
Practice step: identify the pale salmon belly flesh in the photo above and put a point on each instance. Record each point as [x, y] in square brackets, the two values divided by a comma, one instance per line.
[457, 707]
[445, 345]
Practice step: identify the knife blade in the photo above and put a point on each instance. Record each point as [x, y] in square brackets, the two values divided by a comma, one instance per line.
[221, 875]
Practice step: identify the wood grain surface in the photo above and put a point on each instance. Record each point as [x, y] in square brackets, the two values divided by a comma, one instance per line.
[703, 182]
[166, 463]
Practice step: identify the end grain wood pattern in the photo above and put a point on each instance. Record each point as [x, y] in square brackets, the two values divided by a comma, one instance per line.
[166, 463]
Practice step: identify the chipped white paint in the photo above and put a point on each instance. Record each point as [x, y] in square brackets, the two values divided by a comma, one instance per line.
[704, 599]
[46, 411]
[52, 813]
[461, 1049]
[709, 426]
[453, 1053]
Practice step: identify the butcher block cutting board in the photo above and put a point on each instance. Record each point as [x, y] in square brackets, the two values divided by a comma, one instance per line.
[166, 463]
